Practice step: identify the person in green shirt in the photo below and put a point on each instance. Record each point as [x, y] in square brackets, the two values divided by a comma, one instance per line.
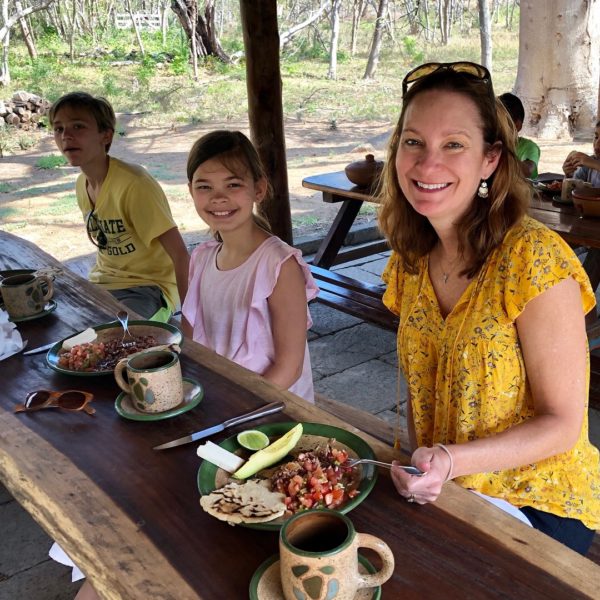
[528, 152]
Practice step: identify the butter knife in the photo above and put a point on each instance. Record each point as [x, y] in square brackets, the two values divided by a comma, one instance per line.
[40, 349]
[268, 409]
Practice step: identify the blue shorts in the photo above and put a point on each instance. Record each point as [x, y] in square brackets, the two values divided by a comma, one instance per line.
[570, 532]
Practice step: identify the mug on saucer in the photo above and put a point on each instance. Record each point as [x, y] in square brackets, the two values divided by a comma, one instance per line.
[154, 381]
[318, 551]
[26, 295]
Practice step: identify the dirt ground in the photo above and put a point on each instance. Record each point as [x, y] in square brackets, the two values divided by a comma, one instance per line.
[39, 204]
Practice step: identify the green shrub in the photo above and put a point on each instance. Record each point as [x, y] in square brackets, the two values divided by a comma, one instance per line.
[52, 161]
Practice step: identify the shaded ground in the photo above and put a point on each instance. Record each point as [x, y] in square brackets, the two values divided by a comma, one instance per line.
[39, 204]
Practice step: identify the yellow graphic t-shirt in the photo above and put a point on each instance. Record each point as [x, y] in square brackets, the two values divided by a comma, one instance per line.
[466, 374]
[132, 211]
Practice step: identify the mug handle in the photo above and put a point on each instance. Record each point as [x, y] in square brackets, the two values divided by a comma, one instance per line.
[50, 283]
[122, 364]
[367, 580]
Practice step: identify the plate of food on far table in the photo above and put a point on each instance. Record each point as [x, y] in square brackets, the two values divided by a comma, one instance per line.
[96, 350]
[310, 471]
[552, 188]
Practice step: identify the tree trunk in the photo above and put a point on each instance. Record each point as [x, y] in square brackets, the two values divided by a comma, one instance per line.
[377, 37]
[559, 72]
[485, 33]
[335, 35]
[8, 21]
[265, 109]
[136, 27]
[357, 9]
[26, 33]
[72, 31]
[207, 43]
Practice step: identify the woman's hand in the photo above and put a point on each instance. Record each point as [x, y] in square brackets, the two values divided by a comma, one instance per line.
[435, 463]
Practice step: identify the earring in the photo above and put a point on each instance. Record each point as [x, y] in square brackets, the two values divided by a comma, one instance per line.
[482, 192]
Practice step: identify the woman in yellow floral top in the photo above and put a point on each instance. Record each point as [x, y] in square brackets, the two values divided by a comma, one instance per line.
[492, 311]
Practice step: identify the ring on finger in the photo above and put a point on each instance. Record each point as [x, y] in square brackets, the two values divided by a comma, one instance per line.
[411, 498]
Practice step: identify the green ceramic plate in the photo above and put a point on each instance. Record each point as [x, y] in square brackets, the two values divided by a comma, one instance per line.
[49, 307]
[266, 583]
[193, 393]
[208, 473]
[162, 332]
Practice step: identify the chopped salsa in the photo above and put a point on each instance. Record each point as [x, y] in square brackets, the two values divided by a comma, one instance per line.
[316, 479]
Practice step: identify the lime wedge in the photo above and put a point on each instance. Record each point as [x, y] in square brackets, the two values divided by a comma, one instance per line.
[252, 439]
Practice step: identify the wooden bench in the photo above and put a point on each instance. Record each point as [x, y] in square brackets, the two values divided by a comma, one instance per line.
[356, 298]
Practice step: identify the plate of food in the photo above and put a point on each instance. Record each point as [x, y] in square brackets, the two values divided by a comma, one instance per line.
[312, 474]
[96, 350]
[549, 187]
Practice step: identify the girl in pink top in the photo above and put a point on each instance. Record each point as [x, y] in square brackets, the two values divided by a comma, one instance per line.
[246, 299]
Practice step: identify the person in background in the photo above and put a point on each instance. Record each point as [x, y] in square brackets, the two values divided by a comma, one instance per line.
[528, 152]
[141, 259]
[582, 166]
[489, 302]
[248, 290]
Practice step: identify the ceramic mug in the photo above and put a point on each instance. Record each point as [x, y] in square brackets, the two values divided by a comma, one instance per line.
[568, 185]
[154, 381]
[26, 295]
[318, 552]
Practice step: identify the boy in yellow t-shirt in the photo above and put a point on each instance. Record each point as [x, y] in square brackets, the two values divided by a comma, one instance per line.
[142, 259]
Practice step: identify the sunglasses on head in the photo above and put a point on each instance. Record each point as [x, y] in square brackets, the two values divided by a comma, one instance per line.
[67, 400]
[462, 67]
[94, 231]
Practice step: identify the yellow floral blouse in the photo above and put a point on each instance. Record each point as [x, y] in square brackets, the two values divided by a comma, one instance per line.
[466, 374]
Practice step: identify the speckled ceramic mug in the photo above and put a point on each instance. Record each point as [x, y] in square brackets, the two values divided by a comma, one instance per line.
[318, 552]
[154, 381]
[26, 295]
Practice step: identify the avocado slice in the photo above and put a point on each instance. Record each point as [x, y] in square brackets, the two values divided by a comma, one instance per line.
[271, 454]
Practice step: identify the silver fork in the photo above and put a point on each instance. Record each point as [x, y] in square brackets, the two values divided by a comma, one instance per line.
[123, 317]
[367, 461]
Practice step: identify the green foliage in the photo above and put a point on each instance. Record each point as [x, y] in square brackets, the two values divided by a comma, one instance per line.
[61, 206]
[52, 161]
[6, 187]
[7, 211]
[160, 84]
[411, 49]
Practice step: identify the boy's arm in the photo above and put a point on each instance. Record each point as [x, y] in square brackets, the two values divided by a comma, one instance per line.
[527, 167]
[174, 246]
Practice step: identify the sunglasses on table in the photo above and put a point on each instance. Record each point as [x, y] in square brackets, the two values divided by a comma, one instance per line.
[94, 231]
[67, 400]
[463, 67]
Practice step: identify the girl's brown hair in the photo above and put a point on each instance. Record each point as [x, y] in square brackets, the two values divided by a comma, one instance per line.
[236, 152]
[482, 228]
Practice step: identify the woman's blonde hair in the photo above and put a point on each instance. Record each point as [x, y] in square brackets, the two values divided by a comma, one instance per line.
[483, 227]
[236, 152]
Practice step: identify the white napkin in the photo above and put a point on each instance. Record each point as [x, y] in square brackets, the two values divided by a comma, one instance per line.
[513, 511]
[10, 338]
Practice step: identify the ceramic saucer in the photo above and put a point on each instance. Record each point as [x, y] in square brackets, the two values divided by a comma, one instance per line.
[49, 307]
[266, 582]
[193, 393]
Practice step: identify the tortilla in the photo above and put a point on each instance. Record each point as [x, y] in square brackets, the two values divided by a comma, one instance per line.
[250, 502]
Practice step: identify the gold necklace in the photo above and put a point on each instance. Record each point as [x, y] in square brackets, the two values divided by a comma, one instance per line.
[453, 266]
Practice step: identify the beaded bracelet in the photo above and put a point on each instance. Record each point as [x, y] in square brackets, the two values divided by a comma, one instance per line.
[449, 476]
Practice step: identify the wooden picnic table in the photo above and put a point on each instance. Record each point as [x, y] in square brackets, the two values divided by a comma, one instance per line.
[336, 187]
[130, 518]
